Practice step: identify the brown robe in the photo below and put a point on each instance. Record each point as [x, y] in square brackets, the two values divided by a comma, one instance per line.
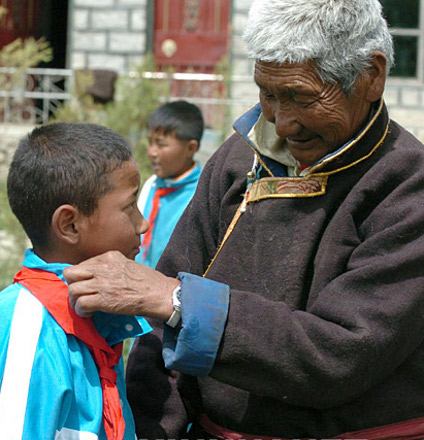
[325, 331]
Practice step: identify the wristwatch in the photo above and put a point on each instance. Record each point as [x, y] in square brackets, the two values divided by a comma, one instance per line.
[176, 302]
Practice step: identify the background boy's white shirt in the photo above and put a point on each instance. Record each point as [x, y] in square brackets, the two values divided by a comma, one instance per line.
[144, 193]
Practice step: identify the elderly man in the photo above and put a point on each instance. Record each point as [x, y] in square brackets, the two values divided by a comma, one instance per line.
[298, 266]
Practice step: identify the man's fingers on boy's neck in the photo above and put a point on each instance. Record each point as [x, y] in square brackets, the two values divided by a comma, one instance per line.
[82, 306]
[73, 274]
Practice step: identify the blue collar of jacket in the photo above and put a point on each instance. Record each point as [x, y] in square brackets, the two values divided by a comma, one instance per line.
[365, 140]
[189, 177]
[114, 328]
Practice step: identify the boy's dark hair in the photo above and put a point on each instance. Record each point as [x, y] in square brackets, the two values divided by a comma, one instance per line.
[181, 117]
[61, 163]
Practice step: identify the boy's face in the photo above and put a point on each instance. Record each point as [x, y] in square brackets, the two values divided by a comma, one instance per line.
[169, 156]
[117, 223]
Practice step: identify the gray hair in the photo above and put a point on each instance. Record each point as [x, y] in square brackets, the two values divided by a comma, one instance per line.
[338, 35]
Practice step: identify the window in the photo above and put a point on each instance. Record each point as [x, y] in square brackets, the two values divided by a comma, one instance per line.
[406, 21]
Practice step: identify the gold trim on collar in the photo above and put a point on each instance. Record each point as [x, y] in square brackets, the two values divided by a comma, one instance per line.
[328, 173]
[351, 144]
[313, 169]
[312, 185]
[287, 187]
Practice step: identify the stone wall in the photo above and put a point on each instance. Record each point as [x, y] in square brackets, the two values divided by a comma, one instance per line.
[107, 34]
[241, 64]
[243, 91]
[405, 101]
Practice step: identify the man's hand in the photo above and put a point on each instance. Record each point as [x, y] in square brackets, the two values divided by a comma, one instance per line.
[114, 284]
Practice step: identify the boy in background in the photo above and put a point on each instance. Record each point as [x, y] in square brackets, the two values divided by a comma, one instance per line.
[74, 189]
[175, 131]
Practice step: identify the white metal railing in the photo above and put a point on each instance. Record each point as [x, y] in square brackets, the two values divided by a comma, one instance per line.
[36, 93]
[32, 95]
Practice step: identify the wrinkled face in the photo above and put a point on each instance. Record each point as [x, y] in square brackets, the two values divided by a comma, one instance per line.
[314, 118]
[169, 156]
[117, 223]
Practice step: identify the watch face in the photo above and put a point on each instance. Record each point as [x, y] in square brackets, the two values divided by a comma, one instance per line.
[176, 296]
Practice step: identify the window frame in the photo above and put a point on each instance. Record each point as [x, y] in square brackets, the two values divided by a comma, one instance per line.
[419, 33]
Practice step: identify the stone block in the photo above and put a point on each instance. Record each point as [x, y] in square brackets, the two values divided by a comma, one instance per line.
[239, 22]
[93, 3]
[134, 61]
[247, 91]
[78, 60]
[81, 19]
[89, 41]
[243, 5]
[138, 20]
[238, 46]
[241, 66]
[127, 42]
[392, 95]
[411, 97]
[110, 19]
[106, 61]
[133, 3]
[411, 119]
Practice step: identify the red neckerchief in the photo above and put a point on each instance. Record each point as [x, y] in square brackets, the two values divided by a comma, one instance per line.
[147, 237]
[52, 292]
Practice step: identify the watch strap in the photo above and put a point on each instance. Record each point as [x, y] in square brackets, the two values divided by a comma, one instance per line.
[175, 318]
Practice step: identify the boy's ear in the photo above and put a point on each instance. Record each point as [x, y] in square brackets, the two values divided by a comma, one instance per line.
[193, 146]
[65, 224]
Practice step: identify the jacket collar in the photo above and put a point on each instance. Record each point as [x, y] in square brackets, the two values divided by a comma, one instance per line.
[363, 144]
[192, 175]
[114, 328]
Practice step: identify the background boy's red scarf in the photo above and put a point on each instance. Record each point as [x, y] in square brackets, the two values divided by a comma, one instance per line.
[147, 237]
[52, 292]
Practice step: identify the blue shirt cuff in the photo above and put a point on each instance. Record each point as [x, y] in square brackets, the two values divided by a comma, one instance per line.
[116, 328]
[204, 309]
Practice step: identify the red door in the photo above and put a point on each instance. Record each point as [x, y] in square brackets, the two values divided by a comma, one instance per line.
[20, 21]
[191, 34]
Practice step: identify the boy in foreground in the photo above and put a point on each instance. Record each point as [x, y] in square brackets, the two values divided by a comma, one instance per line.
[175, 132]
[74, 189]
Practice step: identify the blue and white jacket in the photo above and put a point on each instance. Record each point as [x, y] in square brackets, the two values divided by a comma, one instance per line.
[49, 384]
